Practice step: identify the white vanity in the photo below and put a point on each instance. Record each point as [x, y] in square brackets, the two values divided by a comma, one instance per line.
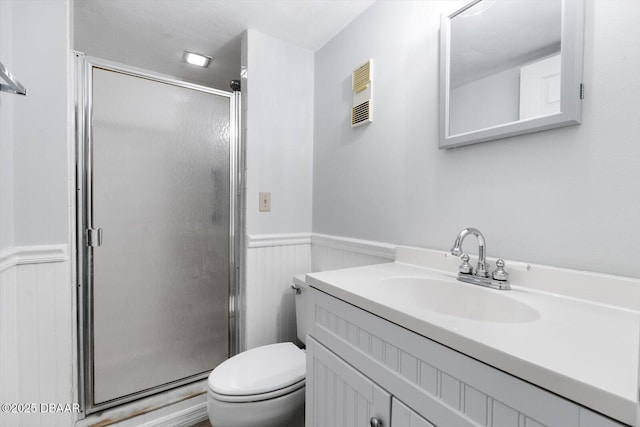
[406, 344]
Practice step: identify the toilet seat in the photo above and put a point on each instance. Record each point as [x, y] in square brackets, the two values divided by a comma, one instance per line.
[243, 398]
[258, 374]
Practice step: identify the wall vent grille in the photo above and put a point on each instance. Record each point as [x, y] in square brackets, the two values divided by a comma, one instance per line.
[361, 82]
[361, 114]
[360, 77]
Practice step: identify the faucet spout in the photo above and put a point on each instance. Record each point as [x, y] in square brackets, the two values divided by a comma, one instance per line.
[499, 279]
[456, 250]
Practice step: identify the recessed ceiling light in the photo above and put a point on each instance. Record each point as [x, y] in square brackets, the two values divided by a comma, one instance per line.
[196, 59]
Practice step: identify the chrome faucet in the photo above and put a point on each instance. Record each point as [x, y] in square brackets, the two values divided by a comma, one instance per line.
[499, 279]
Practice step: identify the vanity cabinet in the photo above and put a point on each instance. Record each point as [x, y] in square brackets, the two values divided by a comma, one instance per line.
[341, 395]
[360, 366]
[402, 415]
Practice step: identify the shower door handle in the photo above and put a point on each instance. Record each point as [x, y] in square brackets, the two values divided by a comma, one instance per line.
[94, 237]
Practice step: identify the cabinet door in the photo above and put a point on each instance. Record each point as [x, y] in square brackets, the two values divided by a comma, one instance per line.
[338, 395]
[403, 416]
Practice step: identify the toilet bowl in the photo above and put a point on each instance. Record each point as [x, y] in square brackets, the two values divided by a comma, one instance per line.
[264, 386]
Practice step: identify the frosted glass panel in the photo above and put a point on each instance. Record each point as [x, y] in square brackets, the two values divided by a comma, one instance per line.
[160, 174]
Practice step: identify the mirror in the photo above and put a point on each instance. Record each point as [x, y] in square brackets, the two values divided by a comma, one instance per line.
[509, 67]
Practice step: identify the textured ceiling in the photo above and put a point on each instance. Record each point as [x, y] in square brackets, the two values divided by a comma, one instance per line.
[152, 34]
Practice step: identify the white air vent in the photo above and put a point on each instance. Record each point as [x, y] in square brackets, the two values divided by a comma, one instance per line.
[361, 114]
[361, 77]
[361, 80]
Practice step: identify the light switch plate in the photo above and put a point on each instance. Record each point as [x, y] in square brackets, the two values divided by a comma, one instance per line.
[265, 202]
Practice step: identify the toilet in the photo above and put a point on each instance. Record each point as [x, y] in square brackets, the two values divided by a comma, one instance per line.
[264, 386]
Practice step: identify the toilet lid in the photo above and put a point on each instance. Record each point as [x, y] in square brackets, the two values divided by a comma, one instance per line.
[259, 370]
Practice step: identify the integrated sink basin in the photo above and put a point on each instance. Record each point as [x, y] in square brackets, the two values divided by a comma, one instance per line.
[456, 299]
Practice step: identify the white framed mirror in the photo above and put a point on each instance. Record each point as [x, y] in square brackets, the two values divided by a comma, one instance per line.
[509, 67]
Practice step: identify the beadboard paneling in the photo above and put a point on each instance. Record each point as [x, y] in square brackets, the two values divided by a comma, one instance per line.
[270, 309]
[271, 262]
[403, 415]
[36, 356]
[338, 395]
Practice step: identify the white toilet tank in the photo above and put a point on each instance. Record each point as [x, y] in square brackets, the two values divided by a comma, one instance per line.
[302, 306]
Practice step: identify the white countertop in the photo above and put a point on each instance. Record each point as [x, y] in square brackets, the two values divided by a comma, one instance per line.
[584, 351]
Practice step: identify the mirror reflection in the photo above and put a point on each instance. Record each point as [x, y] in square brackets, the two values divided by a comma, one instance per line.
[504, 63]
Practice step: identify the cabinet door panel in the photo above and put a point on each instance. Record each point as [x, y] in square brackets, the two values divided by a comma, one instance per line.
[403, 416]
[338, 395]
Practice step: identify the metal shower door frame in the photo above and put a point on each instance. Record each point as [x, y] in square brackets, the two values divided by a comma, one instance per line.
[84, 66]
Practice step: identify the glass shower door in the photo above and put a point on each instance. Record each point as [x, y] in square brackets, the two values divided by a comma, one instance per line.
[159, 157]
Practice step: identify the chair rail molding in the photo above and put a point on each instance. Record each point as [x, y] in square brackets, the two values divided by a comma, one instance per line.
[364, 247]
[36, 254]
[285, 239]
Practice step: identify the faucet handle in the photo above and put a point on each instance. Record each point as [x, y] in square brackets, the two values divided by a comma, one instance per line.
[499, 273]
[465, 267]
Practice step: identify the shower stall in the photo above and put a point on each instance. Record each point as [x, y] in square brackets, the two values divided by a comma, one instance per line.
[157, 200]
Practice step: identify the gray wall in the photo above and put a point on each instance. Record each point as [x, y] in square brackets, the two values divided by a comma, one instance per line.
[34, 173]
[6, 131]
[279, 136]
[568, 197]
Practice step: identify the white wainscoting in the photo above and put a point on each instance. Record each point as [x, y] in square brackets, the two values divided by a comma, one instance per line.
[333, 252]
[36, 333]
[271, 262]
